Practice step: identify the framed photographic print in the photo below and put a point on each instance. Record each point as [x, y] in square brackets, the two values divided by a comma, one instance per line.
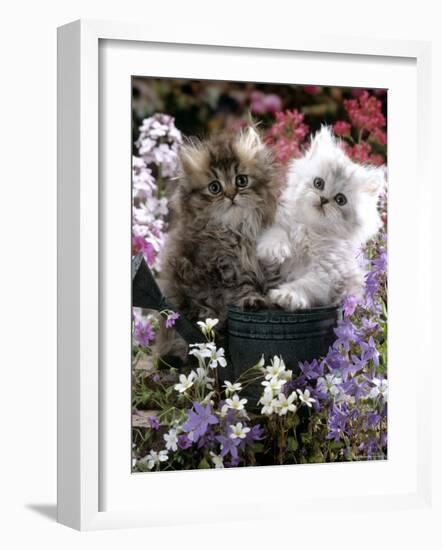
[230, 264]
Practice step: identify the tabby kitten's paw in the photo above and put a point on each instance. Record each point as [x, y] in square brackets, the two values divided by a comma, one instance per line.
[253, 302]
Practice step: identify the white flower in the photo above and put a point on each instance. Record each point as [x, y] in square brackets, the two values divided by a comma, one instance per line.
[217, 460]
[275, 369]
[217, 358]
[344, 398]
[232, 388]
[143, 183]
[207, 325]
[208, 399]
[286, 404]
[185, 382]
[224, 411]
[273, 385]
[154, 458]
[239, 431]
[171, 439]
[305, 397]
[202, 351]
[330, 384]
[158, 142]
[380, 388]
[268, 402]
[286, 375]
[203, 378]
[261, 362]
[236, 403]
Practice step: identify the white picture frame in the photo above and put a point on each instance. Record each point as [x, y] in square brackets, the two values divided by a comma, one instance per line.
[81, 294]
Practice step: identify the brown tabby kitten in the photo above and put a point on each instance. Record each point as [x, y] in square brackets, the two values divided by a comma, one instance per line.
[226, 194]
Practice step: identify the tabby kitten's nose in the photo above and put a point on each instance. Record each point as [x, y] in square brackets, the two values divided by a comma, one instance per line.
[323, 201]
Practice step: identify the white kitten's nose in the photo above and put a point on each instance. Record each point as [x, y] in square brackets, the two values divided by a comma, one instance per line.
[323, 201]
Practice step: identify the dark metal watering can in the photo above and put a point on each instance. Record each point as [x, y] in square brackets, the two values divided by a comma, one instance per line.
[295, 336]
[147, 294]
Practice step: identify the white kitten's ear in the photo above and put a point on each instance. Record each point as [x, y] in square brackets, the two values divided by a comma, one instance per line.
[193, 157]
[249, 144]
[374, 179]
[322, 140]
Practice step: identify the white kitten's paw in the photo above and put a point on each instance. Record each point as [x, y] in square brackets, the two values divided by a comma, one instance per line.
[273, 251]
[287, 299]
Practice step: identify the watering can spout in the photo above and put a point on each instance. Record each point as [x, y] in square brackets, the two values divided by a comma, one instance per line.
[147, 294]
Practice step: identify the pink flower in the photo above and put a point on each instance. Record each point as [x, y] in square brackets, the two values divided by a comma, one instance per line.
[262, 103]
[287, 135]
[257, 102]
[312, 90]
[139, 244]
[379, 135]
[357, 92]
[342, 128]
[273, 103]
[362, 153]
[365, 113]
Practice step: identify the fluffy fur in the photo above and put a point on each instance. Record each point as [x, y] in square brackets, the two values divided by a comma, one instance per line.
[210, 260]
[315, 239]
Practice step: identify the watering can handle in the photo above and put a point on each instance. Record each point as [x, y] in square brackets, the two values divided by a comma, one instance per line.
[147, 294]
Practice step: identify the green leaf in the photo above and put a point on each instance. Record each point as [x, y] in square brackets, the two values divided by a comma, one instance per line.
[292, 444]
[204, 464]
[306, 438]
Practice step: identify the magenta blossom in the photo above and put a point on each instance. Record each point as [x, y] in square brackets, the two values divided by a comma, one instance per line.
[262, 103]
[171, 319]
[144, 333]
[342, 128]
[312, 89]
[153, 422]
[140, 244]
[365, 112]
[287, 135]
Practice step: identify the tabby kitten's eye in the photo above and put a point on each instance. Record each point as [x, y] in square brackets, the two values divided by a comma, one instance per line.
[341, 199]
[241, 180]
[319, 183]
[215, 187]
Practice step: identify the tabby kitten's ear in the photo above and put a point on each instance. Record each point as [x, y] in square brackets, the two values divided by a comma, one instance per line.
[193, 157]
[249, 144]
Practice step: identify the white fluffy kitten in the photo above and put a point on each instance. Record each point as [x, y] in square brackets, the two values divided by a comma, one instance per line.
[327, 211]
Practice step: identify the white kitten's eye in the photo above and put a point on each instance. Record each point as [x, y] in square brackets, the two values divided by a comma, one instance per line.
[241, 180]
[341, 199]
[319, 183]
[215, 187]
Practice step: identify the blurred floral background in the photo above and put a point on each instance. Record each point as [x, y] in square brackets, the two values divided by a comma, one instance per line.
[202, 106]
[331, 409]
